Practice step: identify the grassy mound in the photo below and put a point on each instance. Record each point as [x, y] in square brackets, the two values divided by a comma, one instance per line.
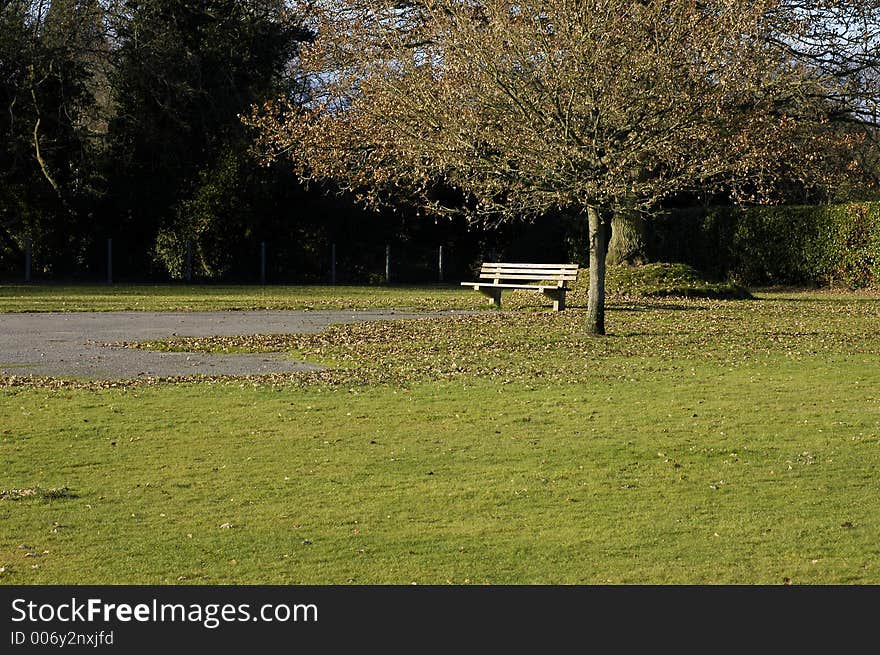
[659, 281]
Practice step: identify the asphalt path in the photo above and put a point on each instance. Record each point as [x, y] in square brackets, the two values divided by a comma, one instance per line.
[72, 344]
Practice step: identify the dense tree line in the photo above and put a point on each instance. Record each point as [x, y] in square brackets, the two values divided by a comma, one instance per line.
[121, 119]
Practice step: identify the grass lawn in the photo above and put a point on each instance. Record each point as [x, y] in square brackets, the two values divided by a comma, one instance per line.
[702, 441]
[168, 297]
[655, 279]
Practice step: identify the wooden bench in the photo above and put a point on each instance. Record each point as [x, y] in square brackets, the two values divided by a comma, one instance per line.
[551, 278]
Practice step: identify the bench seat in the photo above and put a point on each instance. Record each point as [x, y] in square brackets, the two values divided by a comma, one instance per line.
[534, 287]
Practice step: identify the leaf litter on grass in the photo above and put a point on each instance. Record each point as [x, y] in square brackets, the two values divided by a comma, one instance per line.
[646, 336]
[523, 346]
[24, 493]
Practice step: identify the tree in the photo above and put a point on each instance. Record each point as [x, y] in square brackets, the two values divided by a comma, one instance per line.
[592, 107]
[184, 71]
[837, 41]
[50, 57]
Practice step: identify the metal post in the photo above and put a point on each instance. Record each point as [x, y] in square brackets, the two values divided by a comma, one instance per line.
[109, 261]
[388, 264]
[189, 260]
[333, 263]
[440, 264]
[28, 250]
[262, 262]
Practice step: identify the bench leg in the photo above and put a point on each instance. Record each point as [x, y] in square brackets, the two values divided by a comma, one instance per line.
[494, 296]
[559, 302]
[558, 298]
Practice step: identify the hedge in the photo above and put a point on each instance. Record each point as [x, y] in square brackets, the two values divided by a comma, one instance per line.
[834, 245]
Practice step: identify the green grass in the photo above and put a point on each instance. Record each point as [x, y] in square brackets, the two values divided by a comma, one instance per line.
[166, 297]
[653, 280]
[702, 441]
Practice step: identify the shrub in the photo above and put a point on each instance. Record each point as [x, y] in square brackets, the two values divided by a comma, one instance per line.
[833, 245]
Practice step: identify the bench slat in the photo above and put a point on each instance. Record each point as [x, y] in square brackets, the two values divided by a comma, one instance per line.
[526, 269]
[528, 276]
[526, 265]
[536, 287]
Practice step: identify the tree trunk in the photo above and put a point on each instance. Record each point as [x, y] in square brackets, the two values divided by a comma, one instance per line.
[596, 299]
[628, 239]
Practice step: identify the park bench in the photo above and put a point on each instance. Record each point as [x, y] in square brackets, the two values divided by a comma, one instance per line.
[551, 279]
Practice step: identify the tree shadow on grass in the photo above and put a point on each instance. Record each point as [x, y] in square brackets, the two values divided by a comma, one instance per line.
[645, 307]
[36, 493]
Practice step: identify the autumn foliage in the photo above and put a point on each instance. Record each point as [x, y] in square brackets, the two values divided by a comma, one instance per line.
[510, 109]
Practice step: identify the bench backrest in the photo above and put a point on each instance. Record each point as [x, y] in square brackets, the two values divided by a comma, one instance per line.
[559, 273]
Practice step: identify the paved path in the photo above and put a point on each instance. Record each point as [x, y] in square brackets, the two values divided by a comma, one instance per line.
[69, 344]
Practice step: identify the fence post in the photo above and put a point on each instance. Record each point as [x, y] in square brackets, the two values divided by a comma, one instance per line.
[333, 264]
[440, 264]
[388, 264]
[109, 261]
[27, 259]
[262, 262]
[189, 260]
